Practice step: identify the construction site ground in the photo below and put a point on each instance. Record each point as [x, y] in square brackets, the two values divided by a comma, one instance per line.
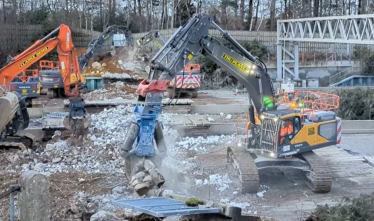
[86, 176]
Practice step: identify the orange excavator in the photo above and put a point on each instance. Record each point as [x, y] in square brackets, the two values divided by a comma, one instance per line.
[13, 113]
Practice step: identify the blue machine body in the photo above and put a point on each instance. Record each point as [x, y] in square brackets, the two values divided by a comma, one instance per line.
[146, 117]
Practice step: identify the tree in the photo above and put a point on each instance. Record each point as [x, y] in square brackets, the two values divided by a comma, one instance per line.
[256, 16]
[316, 8]
[184, 10]
[224, 4]
[242, 12]
[250, 14]
[272, 15]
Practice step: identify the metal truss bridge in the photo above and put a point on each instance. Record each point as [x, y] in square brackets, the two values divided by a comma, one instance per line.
[350, 29]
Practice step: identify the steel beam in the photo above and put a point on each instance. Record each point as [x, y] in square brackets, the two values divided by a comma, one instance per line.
[350, 29]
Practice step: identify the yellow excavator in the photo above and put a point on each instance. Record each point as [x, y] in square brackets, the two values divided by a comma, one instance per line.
[282, 138]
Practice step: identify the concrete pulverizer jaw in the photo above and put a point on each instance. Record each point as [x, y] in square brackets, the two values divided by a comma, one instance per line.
[139, 149]
[78, 120]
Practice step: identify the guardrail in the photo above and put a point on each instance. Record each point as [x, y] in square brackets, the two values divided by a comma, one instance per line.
[358, 126]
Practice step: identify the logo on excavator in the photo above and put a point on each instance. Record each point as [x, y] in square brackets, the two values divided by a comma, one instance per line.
[158, 44]
[37, 54]
[190, 56]
[234, 62]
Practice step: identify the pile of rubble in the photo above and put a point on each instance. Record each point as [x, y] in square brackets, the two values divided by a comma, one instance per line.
[112, 91]
[116, 68]
[87, 176]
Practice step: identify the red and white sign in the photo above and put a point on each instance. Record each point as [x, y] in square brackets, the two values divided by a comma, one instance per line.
[339, 130]
[188, 81]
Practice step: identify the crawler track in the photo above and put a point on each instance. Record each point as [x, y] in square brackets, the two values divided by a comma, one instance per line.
[319, 176]
[21, 142]
[245, 167]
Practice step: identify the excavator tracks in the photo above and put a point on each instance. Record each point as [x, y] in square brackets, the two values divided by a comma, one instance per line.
[319, 176]
[245, 167]
[21, 142]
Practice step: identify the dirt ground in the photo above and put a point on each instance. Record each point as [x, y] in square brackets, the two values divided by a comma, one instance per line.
[283, 193]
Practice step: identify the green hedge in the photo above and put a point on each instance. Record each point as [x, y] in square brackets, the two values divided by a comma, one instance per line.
[358, 209]
[356, 104]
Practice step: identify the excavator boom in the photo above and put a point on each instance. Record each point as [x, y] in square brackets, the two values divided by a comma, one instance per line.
[96, 44]
[151, 36]
[186, 43]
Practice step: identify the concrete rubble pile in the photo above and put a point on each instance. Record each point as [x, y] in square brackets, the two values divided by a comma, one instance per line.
[146, 177]
[116, 69]
[100, 153]
[112, 91]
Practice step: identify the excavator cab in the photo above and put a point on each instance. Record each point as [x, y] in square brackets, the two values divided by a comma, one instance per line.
[26, 84]
[284, 134]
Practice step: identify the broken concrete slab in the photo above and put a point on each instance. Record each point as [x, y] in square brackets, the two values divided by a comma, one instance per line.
[41, 111]
[181, 120]
[116, 102]
[199, 120]
[34, 198]
[217, 109]
[104, 216]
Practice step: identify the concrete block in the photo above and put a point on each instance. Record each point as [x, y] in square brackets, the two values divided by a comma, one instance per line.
[217, 109]
[116, 102]
[38, 133]
[357, 126]
[41, 111]
[34, 198]
[198, 120]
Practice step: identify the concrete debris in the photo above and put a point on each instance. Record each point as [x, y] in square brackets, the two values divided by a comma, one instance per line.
[244, 205]
[112, 91]
[201, 144]
[118, 76]
[99, 152]
[148, 177]
[56, 160]
[96, 65]
[104, 216]
[221, 182]
[228, 117]
[210, 119]
[56, 134]
[199, 183]
[261, 193]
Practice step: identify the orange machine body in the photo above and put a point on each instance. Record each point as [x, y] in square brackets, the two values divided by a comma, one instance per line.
[67, 58]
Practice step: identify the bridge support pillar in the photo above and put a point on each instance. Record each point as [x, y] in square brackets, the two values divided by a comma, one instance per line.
[296, 59]
[279, 62]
